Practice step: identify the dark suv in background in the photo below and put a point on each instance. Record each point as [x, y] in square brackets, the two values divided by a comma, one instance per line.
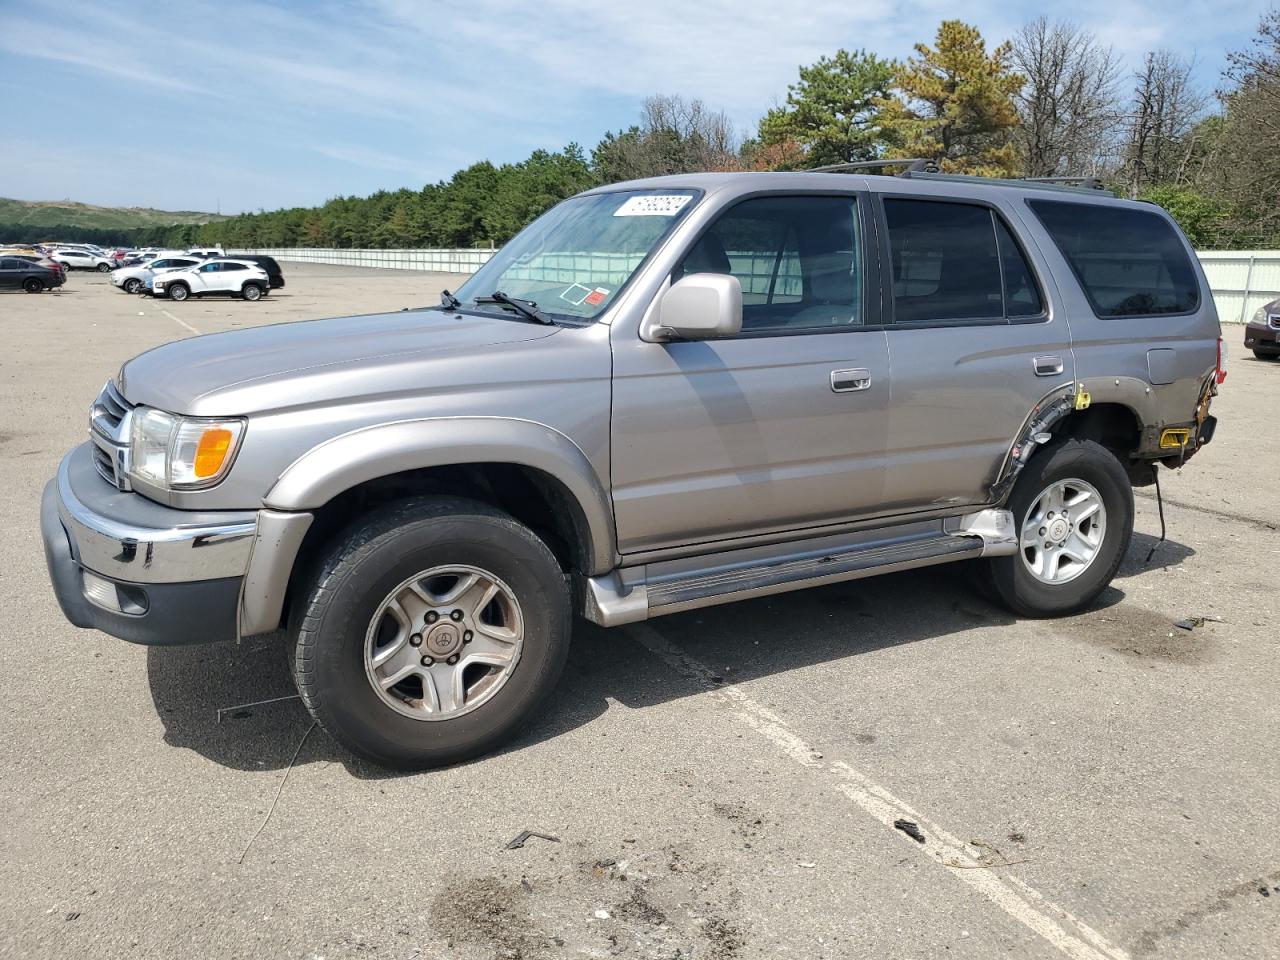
[274, 274]
[1262, 333]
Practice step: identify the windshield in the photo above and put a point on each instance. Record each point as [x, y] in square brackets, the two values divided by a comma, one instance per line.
[573, 260]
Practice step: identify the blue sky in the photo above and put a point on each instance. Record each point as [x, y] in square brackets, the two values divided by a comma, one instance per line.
[248, 105]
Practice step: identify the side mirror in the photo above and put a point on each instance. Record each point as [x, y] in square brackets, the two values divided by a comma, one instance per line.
[701, 306]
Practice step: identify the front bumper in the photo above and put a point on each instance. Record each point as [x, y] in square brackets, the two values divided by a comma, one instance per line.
[1261, 336]
[136, 569]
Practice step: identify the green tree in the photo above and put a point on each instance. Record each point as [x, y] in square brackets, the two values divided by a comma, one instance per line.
[954, 103]
[1200, 217]
[832, 111]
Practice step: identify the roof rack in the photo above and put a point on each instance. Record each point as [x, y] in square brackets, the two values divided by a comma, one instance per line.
[922, 168]
[913, 165]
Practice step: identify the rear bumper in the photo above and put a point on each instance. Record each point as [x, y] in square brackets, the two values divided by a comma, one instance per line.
[137, 570]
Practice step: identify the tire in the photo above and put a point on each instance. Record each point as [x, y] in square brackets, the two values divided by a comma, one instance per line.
[251, 291]
[104, 268]
[177, 291]
[1084, 472]
[1266, 355]
[132, 285]
[338, 625]
[33, 285]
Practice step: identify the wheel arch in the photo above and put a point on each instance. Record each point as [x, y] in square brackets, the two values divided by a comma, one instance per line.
[481, 457]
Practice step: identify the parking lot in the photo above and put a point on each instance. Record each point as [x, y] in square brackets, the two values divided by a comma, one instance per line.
[721, 784]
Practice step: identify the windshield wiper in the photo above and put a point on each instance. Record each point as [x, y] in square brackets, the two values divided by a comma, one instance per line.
[526, 307]
[447, 299]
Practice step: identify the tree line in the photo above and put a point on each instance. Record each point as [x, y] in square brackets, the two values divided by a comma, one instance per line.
[1052, 101]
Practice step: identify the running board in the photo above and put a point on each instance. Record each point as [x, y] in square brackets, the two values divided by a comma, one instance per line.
[631, 594]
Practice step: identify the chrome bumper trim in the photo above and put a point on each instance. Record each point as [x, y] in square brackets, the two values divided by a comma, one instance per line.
[168, 552]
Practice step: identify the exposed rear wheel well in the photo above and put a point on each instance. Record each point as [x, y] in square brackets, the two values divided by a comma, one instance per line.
[1116, 427]
[536, 499]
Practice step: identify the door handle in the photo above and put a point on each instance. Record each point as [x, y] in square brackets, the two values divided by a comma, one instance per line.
[847, 381]
[1047, 366]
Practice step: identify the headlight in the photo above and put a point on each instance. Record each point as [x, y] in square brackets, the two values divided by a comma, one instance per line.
[1260, 316]
[182, 453]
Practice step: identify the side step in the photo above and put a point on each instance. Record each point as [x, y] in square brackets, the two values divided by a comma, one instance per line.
[631, 594]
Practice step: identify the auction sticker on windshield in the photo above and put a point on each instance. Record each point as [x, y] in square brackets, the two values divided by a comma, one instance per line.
[653, 205]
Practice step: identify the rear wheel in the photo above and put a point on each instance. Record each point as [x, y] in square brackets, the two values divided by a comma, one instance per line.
[32, 285]
[251, 291]
[431, 632]
[1265, 355]
[178, 291]
[1073, 509]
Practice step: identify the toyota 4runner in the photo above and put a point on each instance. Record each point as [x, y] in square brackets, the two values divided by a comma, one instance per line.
[659, 396]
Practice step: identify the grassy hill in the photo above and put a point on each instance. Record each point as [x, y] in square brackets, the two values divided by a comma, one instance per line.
[36, 215]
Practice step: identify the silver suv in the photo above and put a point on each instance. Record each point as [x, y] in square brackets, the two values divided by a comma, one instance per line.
[661, 395]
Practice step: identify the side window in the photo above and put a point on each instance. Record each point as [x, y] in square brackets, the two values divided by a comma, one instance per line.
[1130, 263]
[233, 266]
[799, 260]
[1021, 293]
[211, 268]
[183, 263]
[945, 262]
[10, 265]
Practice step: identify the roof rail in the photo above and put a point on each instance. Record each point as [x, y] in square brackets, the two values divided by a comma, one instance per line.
[1089, 183]
[913, 165]
[1082, 185]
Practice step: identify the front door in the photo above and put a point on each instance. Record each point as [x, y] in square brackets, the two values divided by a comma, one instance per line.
[780, 428]
[973, 344]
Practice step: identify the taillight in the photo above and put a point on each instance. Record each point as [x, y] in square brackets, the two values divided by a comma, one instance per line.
[1221, 368]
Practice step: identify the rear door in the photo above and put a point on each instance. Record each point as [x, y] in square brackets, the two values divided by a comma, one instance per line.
[974, 345]
[780, 428]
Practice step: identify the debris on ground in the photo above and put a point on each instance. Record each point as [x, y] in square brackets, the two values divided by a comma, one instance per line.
[519, 839]
[1191, 623]
[911, 829]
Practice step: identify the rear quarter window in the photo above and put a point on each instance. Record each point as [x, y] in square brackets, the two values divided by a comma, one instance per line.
[1130, 263]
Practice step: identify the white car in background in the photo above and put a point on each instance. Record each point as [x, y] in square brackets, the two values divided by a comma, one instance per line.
[224, 276]
[133, 279]
[83, 260]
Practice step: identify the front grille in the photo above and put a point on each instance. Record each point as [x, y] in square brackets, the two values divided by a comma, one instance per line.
[1273, 321]
[109, 429]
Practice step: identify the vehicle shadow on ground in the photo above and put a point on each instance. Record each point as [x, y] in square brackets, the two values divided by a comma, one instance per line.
[210, 698]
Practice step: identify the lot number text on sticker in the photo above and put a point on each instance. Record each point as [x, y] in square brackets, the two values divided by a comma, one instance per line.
[653, 205]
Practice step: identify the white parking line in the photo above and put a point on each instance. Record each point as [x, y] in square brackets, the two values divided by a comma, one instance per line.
[1067, 933]
[180, 322]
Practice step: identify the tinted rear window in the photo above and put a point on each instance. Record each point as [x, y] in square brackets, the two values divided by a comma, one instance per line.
[1130, 263]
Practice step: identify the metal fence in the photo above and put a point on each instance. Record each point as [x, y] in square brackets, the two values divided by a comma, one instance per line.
[1241, 280]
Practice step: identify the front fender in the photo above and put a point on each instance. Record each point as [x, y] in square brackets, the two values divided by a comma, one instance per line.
[366, 454]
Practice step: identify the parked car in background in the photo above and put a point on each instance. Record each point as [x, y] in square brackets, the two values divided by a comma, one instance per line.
[83, 260]
[207, 252]
[19, 274]
[133, 279]
[1262, 333]
[45, 261]
[214, 277]
[274, 273]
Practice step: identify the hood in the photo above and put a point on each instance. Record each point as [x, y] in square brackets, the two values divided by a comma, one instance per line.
[269, 368]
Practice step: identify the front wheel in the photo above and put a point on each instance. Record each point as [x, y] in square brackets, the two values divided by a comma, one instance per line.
[178, 291]
[104, 268]
[431, 632]
[1073, 508]
[1265, 355]
[132, 285]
